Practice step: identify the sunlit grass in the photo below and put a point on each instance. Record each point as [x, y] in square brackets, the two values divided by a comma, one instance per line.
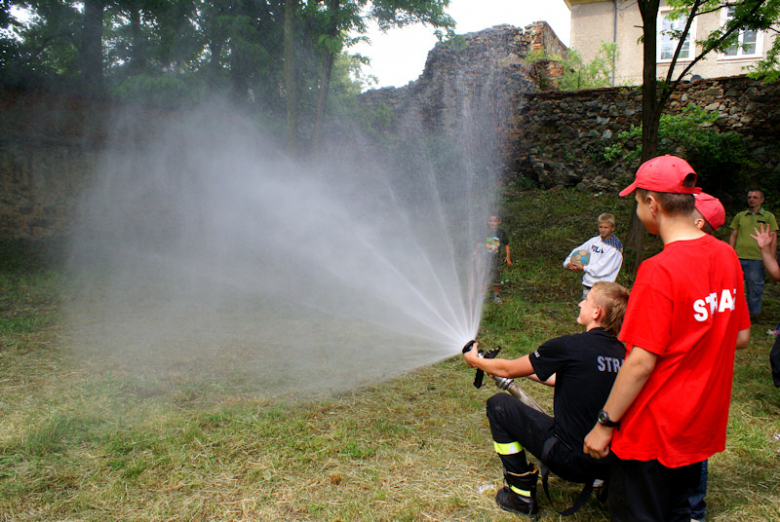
[79, 442]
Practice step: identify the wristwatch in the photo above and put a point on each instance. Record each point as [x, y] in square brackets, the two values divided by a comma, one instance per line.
[604, 420]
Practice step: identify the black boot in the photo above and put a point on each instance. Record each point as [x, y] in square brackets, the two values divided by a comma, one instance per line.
[523, 503]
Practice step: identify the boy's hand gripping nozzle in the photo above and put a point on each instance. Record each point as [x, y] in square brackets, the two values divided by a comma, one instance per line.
[484, 355]
[503, 383]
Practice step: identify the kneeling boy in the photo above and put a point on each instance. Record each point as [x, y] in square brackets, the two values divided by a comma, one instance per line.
[582, 367]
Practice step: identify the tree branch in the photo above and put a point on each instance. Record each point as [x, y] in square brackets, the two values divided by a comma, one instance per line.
[672, 85]
[681, 41]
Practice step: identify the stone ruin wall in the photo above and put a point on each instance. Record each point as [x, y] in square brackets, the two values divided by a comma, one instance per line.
[556, 138]
[558, 133]
[45, 155]
[50, 147]
[479, 81]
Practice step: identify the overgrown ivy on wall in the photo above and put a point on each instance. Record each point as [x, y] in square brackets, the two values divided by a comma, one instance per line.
[721, 159]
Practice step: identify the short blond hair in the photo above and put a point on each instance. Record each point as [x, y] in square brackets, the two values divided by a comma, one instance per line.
[606, 217]
[613, 300]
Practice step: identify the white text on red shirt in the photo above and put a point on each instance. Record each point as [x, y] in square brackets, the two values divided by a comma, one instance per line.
[726, 302]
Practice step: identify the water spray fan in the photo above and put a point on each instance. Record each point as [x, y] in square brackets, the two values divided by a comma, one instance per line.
[503, 383]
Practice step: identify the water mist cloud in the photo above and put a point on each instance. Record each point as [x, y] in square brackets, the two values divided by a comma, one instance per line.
[207, 250]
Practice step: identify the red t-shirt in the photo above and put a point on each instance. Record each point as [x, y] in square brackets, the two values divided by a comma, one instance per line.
[686, 306]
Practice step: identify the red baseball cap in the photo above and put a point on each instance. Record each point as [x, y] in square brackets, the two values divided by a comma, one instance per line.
[711, 208]
[663, 174]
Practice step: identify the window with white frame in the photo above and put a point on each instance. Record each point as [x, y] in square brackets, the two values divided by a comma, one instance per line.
[667, 40]
[748, 43]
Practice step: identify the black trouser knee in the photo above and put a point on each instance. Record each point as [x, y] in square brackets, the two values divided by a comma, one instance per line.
[511, 421]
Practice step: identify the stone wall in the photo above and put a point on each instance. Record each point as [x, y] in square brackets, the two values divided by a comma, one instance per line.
[473, 86]
[557, 138]
[559, 134]
[51, 147]
[50, 150]
[46, 154]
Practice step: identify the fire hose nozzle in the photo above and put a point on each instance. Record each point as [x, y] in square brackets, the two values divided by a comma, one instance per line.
[485, 355]
[503, 383]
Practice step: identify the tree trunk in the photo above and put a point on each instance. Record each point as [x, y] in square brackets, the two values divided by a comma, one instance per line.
[322, 96]
[214, 67]
[290, 77]
[328, 57]
[138, 50]
[650, 116]
[91, 52]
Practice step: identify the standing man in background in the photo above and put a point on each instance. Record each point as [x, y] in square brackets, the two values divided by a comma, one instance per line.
[747, 249]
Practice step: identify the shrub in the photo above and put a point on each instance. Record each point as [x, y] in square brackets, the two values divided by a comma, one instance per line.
[721, 159]
[579, 75]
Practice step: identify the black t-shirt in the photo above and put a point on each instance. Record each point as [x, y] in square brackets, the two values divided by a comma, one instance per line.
[586, 365]
[495, 240]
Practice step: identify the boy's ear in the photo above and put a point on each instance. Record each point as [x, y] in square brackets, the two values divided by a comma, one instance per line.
[598, 314]
[652, 203]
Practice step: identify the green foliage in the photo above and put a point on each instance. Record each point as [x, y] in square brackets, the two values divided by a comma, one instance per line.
[577, 74]
[164, 89]
[457, 42]
[48, 41]
[377, 121]
[400, 13]
[614, 151]
[166, 51]
[596, 73]
[521, 183]
[768, 69]
[536, 55]
[348, 80]
[721, 159]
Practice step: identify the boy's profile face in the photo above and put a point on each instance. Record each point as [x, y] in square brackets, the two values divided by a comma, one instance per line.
[605, 229]
[493, 222]
[645, 215]
[588, 309]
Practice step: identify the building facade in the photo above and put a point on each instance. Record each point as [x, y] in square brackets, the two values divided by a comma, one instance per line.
[619, 21]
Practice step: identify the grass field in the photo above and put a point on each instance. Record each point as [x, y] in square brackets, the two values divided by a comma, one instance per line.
[86, 443]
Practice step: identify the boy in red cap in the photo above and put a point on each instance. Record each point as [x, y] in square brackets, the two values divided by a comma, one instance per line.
[708, 213]
[668, 409]
[708, 216]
